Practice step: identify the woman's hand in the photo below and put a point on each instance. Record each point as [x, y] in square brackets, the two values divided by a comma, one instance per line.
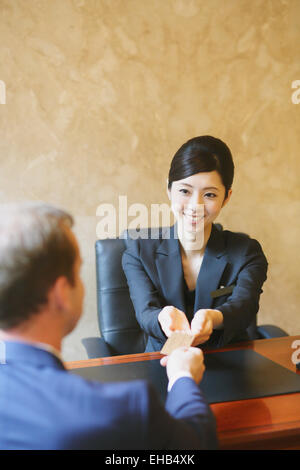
[202, 326]
[203, 323]
[171, 319]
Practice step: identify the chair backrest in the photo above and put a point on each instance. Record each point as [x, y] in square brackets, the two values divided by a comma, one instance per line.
[116, 316]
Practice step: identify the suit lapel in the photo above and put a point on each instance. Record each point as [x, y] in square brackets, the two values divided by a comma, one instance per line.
[170, 272]
[169, 268]
[212, 268]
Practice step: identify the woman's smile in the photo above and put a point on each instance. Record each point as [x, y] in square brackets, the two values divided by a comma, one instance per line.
[197, 200]
[193, 218]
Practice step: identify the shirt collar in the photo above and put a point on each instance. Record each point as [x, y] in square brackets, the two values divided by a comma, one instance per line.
[47, 347]
[30, 352]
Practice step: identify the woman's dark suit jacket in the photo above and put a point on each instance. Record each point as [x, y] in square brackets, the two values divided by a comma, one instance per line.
[154, 273]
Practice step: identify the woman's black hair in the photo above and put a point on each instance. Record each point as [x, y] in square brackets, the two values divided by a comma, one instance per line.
[202, 154]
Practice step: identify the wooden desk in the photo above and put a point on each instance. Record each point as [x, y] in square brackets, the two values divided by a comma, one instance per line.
[260, 423]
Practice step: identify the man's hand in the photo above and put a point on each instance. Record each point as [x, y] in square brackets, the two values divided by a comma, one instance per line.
[184, 362]
[171, 319]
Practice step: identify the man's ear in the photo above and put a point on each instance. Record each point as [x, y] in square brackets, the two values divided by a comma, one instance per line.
[226, 200]
[60, 294]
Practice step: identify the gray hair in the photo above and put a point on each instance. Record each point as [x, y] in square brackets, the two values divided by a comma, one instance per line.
[35, 249]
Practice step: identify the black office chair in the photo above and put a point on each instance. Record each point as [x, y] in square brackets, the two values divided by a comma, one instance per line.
[119, 329]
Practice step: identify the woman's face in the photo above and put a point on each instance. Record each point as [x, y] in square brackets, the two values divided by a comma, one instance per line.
[197, 200]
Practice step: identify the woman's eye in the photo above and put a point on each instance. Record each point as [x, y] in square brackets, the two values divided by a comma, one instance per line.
[210, 195]
[183, 191]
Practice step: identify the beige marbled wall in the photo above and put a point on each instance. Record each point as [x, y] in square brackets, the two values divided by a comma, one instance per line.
[101, 93]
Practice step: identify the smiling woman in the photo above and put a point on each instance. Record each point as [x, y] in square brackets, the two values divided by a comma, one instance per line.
[171, 280]
[196, 202]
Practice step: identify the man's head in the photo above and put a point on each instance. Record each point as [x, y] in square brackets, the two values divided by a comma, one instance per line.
[39, 265]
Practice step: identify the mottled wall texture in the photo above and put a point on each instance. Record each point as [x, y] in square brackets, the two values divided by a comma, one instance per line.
[101, 93]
